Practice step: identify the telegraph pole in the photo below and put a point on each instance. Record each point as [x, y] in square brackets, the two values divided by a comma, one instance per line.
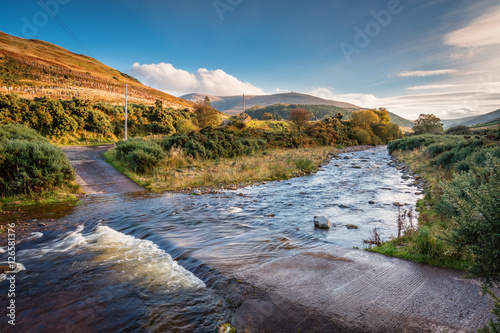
[125, 111]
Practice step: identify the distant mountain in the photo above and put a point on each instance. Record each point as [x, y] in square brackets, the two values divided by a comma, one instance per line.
[470, 121]
[232, 105]
[34, 68]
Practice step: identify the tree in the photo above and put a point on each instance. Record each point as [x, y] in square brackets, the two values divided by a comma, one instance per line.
[383, 115]
[206, 115]
[364, 119]
[267, 116]
[207, 101]
[299, 117]
[428, 123]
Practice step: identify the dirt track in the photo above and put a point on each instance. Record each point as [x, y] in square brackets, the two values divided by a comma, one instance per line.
[94, 175]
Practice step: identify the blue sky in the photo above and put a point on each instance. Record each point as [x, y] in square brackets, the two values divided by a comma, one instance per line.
[412, 56]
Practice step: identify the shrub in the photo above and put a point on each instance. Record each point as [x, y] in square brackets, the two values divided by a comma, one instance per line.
[27, 167]
[412, 142]
[213, 144]
[158, 128]
[141, 161]
[362, 136]
[141, 155]
[305, 165]
[459, 130]
[476, 198]
[438, 148]
[97, 122]
[185, 126]
[20, 132]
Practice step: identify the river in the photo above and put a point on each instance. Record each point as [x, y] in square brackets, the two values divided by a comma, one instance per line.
[149, 262]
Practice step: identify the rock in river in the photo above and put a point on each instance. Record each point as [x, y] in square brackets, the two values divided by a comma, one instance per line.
[321, 222]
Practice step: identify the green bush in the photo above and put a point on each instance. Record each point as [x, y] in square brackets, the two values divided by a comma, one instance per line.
[19, 132]
[412, 142]
[141, 161]
[98, 122]
[362, 136]
[141, 155]
[476, 197]
[213, 144]
[32, 167]
[305, 165]
[459, 129]
[438, 148]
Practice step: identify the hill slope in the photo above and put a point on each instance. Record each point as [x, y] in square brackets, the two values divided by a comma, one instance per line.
[234, 104]
[470, 121]
[34, 68]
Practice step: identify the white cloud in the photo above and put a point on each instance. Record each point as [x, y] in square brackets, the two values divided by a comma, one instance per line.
[432, 86]
[426, 73]
[474, 100]
[484, 31]
[362, 100]
[322, 92]
[465, 53]
[166, 77]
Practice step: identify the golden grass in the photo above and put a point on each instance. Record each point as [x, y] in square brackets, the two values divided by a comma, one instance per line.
[178, 172]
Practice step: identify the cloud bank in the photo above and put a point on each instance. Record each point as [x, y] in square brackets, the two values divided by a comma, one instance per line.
[484, 31]
[446, 105]
[167, 78]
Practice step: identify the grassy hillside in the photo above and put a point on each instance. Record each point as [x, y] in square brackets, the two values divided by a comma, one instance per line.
[318, 111]
[34, 68]
[488, 118]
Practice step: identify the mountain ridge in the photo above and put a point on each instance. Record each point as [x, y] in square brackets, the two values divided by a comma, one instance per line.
[36, 68]
[232, 105]
[474, 120]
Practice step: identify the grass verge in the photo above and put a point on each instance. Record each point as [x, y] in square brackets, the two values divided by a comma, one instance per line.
[178, 172]
[68, 193]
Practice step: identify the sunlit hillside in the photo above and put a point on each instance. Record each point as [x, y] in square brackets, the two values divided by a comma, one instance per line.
[34, 68]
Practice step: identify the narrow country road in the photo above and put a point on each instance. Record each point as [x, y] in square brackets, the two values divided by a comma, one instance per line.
[94, 175]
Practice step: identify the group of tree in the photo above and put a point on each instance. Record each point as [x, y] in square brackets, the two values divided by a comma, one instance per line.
[282, 111]
[59, 118]
[374, 127]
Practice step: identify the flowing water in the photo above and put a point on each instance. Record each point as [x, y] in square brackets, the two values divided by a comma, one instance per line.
[148, 262]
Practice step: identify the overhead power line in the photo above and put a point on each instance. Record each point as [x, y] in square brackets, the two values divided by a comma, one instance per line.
[65, 27]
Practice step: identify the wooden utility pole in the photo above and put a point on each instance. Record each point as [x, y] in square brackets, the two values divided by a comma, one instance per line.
[125, 111]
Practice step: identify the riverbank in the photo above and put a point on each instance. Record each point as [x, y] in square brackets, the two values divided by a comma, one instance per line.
[459, 174]
[202, 176]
